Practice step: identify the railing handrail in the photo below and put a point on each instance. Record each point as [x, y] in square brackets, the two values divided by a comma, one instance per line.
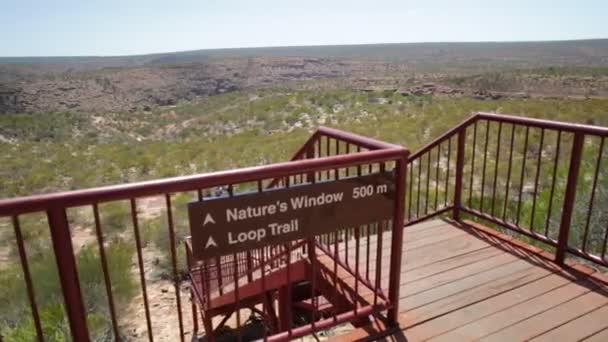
[543, 123]
[512, 119]
[578, 133]
[443, 137]
[356, 139]
[35, 203]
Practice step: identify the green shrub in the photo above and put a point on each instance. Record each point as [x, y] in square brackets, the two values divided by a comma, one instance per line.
[16, 323]
[115, 216]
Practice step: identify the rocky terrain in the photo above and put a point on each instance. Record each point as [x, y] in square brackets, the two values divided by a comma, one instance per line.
[128, 89]
[488, 70]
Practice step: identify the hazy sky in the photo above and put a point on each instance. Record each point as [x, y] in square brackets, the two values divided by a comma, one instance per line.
[113, 27]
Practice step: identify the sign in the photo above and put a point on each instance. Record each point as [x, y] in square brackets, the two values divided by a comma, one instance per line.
[225, 225]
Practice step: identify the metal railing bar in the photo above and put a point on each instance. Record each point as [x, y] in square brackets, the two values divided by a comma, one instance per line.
[312, 256]
[335, 273]
[447, 177]
[327, 323]
[350, 270]
[546, 124]
[378, 261]
[536, 178]
[347, 152]
[511, 226]
[170, 226]
[289, 317]
[327, 154]
[28, 279]
[337, 170]
[355, 139]
[357, 232]
[437, 177]
[106, 272]
[483, 172]
[523, 172]
[473, 164]
[359, 166]
[68, 273]
[409, 201]
[140, 262]
[509, 167]
[595, 177]
[596, 259]
[496, 167]
[450, 133]
[418, 188]
[367, 232]
[428, 183]
[569, 196]
[16, 206]
[553, 179]
[237, 297]
[192, 290]
[605, 244]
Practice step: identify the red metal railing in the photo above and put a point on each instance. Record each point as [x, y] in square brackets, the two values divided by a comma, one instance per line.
[542, 179]
[329, 154]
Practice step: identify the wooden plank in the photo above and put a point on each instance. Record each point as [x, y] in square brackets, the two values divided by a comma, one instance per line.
[547, 320]
[600, 336]
[421, 234]
[449, 264]
[460, 273]
[441, 251]
[446, 324]
[579, 328]
[468, 296]
[435, 253]
[432, 235]
[450, 233]
[447, 290]
[503, 318]
[425, 225]
[408, 276]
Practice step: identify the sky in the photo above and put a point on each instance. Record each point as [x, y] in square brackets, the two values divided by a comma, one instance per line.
[128, 27]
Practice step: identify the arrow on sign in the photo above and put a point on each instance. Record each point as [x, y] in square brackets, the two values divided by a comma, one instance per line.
[210, 243]
[208, 219]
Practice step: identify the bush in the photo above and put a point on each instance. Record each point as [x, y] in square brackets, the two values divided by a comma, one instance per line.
[16, 323]
[115, 216]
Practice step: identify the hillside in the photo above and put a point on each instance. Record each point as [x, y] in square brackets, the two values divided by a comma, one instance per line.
[131, 83]
[57, 151]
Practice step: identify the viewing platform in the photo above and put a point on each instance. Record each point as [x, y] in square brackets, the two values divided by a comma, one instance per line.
[464, 282]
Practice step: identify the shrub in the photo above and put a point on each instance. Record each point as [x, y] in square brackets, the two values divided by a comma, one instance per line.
[115, 216]
[16, 323]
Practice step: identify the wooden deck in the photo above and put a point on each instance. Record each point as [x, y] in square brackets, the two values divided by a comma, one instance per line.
[460, 283]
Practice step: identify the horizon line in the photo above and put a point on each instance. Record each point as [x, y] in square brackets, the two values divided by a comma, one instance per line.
[300, 46]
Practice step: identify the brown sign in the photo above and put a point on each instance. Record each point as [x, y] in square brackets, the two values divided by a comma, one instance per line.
[225, 225]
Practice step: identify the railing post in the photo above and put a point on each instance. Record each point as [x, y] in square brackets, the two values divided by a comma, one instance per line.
[569, 197]
[310, 154]
[397, 241]
[459, 173]
[68, 274]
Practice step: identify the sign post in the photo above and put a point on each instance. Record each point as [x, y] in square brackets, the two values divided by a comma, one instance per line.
[225, 225]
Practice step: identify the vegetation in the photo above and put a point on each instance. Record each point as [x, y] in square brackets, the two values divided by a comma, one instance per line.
[209, 135]
[47, 152]
[16, 322]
